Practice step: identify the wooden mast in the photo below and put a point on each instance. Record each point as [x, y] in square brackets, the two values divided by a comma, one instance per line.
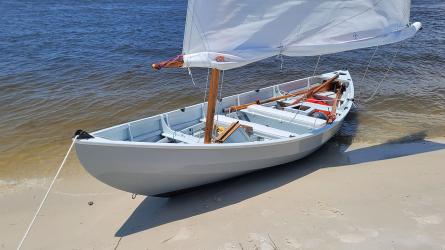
[178, 62]
[211, 104]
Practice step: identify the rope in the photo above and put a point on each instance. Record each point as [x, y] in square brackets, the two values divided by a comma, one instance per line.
[46, 195]
[367, 69]
[191, 76]
[222, 81]
[207, 84]
[309, 82]
[369, 64]
[316, 65]
[386, 73]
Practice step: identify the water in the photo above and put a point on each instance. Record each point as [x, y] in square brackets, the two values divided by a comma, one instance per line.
[66, 65]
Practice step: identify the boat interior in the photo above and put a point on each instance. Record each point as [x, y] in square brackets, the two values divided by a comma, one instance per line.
[275, 113]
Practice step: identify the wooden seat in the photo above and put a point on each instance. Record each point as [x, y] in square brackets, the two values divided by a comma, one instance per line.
[177, 135]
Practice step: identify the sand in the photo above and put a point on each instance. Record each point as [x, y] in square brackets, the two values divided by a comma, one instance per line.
[388, 196]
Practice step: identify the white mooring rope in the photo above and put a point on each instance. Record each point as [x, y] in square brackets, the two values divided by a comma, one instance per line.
[46, 195]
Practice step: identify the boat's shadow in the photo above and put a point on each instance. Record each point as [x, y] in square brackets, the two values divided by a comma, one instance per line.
[153, 212]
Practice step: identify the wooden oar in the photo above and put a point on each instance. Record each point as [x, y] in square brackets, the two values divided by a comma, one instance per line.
[273, 99]
[325, 86]
[312, 90]
[333, 115]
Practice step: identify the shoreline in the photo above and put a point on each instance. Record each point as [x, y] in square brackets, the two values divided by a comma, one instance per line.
[358, 196]
[73, 168]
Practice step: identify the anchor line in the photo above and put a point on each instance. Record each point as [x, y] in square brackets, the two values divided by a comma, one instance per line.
[46, 194]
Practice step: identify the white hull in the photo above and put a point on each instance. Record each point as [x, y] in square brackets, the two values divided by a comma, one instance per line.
[157, 168]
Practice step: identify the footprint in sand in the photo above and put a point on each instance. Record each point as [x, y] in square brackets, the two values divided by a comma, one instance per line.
[424, 220]
[325, 210]
[359, 235]
[429, 220]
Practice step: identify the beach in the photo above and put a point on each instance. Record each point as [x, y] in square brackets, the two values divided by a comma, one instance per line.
[361, 196]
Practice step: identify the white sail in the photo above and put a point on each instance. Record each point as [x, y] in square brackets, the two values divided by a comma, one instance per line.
[226, 34]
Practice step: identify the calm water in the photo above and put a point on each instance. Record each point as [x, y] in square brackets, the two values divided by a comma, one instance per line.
[66, 65]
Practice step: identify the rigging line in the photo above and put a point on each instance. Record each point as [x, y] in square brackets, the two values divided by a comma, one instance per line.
[46, 194]
[191, 76]
[316, 66]
[221, 87]
[386, 73]
[207, 85]
[366, 70]
[309, 78]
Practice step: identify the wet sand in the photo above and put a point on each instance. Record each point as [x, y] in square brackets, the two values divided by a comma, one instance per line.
[386, 196]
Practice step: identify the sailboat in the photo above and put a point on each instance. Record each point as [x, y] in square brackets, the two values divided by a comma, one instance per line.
[225, 137]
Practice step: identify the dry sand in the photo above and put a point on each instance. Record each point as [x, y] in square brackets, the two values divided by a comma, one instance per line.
[388, 196]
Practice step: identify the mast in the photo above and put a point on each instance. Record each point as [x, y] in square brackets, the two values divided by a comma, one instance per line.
[178, 62]
[211, 104]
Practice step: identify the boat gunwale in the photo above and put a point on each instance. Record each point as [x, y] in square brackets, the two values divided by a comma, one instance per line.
[99, 141]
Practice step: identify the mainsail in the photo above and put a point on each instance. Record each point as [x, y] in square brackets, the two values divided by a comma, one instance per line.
[226, 34]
